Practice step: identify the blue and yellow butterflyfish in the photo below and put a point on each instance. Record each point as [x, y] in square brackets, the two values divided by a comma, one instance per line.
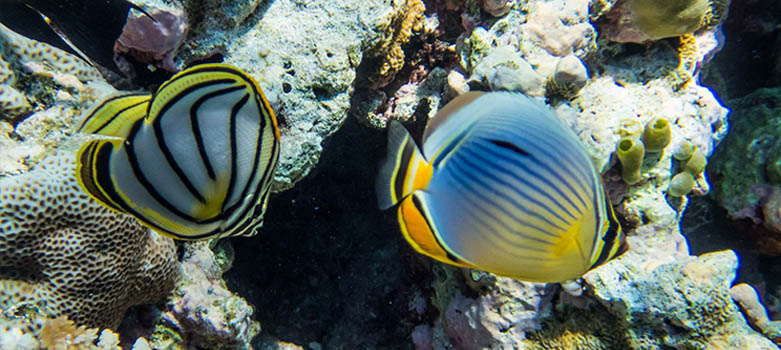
[194, 160]
[500, 184]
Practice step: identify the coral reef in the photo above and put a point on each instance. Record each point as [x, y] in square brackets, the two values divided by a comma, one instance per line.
[639, 21]
[17, 91]
[407, 17]
[201, 312]
[738, 169]
[34, 331]
[682, 304]
[305, 57]
[68, 255]
[747, 299]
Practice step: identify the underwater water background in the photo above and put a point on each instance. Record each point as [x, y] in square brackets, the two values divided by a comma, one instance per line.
[329, 269]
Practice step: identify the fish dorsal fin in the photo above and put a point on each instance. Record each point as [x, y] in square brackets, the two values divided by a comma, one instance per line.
[449, 125]
[116, 115]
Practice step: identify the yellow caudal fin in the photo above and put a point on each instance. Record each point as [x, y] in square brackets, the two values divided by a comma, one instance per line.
[116, 115]
[404, 169]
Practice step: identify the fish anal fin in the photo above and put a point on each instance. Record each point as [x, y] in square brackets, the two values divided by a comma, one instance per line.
[419, 231]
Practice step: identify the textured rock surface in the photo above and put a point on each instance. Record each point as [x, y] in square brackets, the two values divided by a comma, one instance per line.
[305, 55]
[201, 312]
[683, 304]
[33, 331]
[66, 254]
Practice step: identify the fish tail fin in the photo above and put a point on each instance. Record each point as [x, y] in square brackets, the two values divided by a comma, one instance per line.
[404, 169]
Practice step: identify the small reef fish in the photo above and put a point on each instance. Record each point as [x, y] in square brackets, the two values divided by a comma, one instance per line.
[193, 161]
[500, 184]
[84, 28]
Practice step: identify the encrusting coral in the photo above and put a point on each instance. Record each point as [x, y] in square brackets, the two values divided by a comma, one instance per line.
[407, 18]
[659, 19]
[64, 254]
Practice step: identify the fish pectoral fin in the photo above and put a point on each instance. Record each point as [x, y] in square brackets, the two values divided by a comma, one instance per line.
[116, 116]
[420, 232]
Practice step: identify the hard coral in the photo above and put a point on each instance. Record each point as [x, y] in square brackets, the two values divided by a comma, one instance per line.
[65, 254]
[17, 54]
[20, 49]
[408, 17]
[34, 331]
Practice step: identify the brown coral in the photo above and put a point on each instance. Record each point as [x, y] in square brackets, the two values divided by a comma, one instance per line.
[407, 18]
[65, 254]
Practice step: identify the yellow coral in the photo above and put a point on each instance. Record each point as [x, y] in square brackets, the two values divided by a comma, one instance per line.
[687, 62]
[408, 17]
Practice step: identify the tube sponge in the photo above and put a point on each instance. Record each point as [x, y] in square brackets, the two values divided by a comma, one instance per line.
[630, 152]
[631, 127]
[684, 151]
[681, 184]
[656, 135]
[696, 163]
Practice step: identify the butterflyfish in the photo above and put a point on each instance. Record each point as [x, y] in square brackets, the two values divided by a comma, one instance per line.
[193, 161]
[500, 184]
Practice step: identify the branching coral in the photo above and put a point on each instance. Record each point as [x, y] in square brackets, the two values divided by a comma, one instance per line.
[65, 254]
[408, 17]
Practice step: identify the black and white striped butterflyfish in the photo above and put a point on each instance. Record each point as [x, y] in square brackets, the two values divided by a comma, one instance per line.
[192, 161]
[500, 184]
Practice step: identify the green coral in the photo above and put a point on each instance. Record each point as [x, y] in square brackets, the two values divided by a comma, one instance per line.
[630, 152]
[657, 135]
